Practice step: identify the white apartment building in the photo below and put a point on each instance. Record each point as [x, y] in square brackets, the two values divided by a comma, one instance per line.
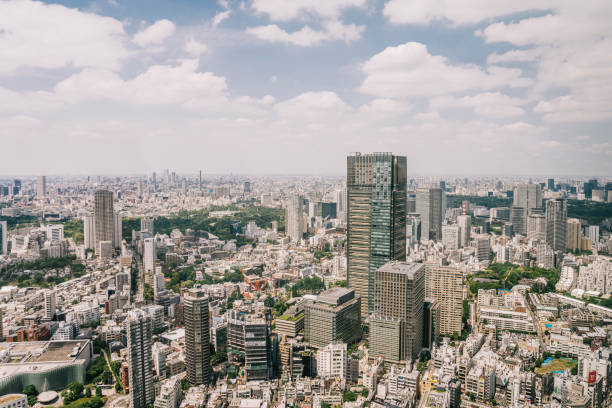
[332, 361]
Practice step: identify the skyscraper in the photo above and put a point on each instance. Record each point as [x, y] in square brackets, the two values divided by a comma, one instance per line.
[376, 214]
[41, 186]
[556, 224]
[430, 204]
[3, 238]
[197, 337]
[140, 362]
[294, 218]
[445, 284]
[103, 217]
[399, 296]
[527, 197]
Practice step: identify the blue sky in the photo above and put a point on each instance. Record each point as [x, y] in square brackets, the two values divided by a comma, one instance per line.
[291, 87]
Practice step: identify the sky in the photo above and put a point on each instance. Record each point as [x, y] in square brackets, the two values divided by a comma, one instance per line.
[520, 87]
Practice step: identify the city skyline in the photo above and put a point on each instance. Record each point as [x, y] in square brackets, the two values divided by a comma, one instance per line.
[167, 86]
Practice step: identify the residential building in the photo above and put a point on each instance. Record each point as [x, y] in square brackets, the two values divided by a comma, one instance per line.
[332, 361]
[139, 331]
[197, 336]
[103, 218]
[445, 284]
[294, 218]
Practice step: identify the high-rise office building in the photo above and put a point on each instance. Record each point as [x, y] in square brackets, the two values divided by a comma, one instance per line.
[445, 284]
[465, 228]
[248, 341]
[140, 362]
[103, 218]
[294, 218]
[333, 316]
[527, 197]
[556, 224]
[430, 204]
[399, 296]
[518, 218]
[376, 215]
[89, 234]
[41, 186]
[3, 238]
[551, 184]
[197, 336]
[536, 226]
[574, 234]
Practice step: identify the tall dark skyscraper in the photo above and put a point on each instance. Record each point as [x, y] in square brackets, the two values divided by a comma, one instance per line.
[376, 214]
[197, 337]
[556, 224]
[103, 218]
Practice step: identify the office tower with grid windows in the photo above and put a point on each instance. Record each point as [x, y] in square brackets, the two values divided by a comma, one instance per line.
[430, 205]
[376, 218]
[197, 336]
[396, 324]
[556, 224]
[526, 197]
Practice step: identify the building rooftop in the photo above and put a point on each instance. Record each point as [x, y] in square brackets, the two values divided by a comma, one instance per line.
[10, 397]
[405, 268]
[336, 296]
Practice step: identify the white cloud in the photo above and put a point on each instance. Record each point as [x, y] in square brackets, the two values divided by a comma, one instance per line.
[285, 10]
[306, 36]
[195, 48]
[457, 12]
[155, 34]
[490, 104]
[385, 106]
[219, 17]
[572, 55]
[36, 35]
[312, 105]
[410, 70]
[158, 85]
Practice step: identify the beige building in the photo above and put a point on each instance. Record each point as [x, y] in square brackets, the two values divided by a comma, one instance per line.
[445, 284]
[397, 321]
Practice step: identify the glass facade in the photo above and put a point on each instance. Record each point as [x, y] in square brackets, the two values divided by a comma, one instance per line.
[376, 190]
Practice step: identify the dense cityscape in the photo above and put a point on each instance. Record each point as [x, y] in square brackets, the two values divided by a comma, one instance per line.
[380, 289]
[305, 204]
